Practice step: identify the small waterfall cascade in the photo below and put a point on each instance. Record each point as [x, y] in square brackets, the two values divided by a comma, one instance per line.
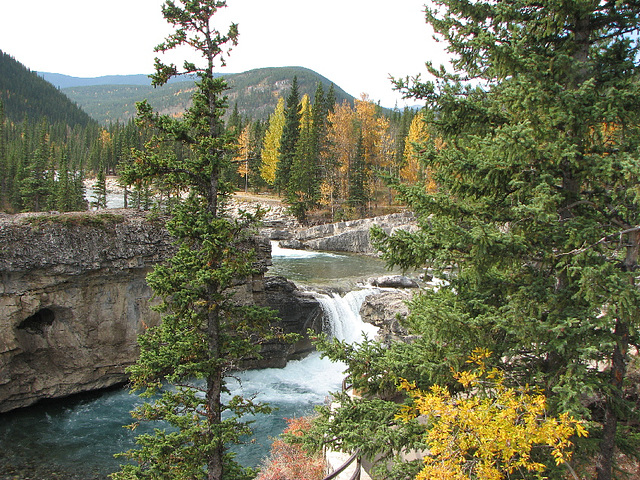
[342, 314]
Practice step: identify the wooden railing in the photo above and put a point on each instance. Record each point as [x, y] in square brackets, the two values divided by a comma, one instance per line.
[346, 385]
[356, 475]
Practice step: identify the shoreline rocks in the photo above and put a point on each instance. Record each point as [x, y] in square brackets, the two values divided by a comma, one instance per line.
[352, 236]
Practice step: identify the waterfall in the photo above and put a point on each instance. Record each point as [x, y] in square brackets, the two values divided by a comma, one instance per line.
[343, 315]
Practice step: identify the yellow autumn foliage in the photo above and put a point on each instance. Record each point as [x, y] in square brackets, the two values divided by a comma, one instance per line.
[489, 431]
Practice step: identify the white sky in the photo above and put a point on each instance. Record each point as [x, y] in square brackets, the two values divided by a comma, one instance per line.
[356, 44]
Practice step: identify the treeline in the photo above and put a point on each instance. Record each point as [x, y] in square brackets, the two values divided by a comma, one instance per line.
[323, 155]
[43, 165]
[38, 166]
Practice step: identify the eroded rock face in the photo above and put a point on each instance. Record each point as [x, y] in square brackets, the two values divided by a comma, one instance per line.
[386, 309]
[299, 312]
[74, 298]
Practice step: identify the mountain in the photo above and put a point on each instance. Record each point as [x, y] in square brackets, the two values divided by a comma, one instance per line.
[256, 92]
[25, 94]
[67, 81]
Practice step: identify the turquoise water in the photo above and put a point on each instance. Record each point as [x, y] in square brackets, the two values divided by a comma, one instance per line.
[76, 438]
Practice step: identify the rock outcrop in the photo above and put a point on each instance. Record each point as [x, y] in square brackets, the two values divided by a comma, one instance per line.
[352, 236]
[394, 281]
[386, 310]
[299, 312]
[74, 298]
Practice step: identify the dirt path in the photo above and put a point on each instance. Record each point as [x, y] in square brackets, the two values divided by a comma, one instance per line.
[260, 198]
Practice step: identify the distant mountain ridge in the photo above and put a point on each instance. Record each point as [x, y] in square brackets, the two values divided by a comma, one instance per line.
[67, 81]
[255, 92]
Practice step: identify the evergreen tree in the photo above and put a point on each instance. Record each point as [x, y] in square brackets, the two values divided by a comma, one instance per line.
[234, 124]
[302, 187]
[289, 140]
[319, 136]
[35, 188]
[4, 161]
[203, 334]
[100, 190]
[357, 179]
[330, 100]
[533, 223]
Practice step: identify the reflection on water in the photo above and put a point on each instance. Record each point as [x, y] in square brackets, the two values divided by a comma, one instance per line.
[339, 270]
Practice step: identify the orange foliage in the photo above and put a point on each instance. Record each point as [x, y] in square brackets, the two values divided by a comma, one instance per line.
[289, 461]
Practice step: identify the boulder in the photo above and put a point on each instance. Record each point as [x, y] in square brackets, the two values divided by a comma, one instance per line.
[386, 310]
[353, 236]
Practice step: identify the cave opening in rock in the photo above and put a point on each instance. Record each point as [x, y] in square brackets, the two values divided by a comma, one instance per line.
[38, 321]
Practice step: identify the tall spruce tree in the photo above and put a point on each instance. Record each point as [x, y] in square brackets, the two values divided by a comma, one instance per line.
[357, 174]
[534, 222]
[4, 161]
[289, 140]
[99, 190]
[302, 186]
[35, 188]
[203, 333]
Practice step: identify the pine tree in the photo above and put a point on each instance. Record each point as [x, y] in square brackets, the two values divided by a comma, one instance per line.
[302, 194]
[99, 190]
[234, 124]
[289, 140]
[357, 179]
[35, 187]
[4, 161]
[319, 138]
[203, 333]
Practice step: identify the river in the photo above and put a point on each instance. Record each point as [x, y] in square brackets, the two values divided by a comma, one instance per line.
[76, 438]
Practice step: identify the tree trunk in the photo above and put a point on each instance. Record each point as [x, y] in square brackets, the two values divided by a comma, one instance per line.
[214, 390]
[604, 466]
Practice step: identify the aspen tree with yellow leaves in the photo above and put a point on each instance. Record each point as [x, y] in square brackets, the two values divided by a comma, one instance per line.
[487, 431]
[412, 171]
[271, 147]
[243, 154]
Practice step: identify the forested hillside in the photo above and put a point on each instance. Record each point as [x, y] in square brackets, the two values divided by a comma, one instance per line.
[47, 143]
[26, 95]
[322, 151]
[255, 92]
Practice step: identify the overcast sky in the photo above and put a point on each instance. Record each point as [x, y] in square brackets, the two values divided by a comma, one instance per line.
[355, 43]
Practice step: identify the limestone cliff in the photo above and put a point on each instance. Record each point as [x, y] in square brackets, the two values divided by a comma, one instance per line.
[73, 299]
